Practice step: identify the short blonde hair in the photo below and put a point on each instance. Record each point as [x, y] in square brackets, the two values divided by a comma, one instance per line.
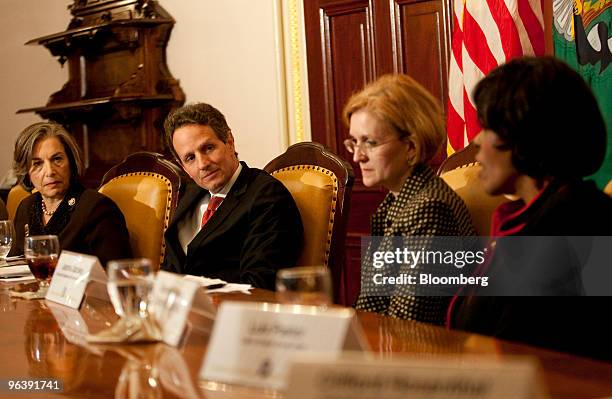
[24, 147]
[407, 109]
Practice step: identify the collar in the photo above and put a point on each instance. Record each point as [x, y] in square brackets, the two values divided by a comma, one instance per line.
[411, 187]
[225, 189]
[415, 182]
[392, 205]
[510, 218]
[60, 217]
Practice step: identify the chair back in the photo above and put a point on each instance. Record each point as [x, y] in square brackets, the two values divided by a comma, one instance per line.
[320, 183]
[145, 187]
[460, 172]
[608, 188]
[14, 198]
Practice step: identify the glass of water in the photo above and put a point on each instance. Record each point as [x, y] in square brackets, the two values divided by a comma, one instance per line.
[7, 235]
[310, 285]
[130, 282]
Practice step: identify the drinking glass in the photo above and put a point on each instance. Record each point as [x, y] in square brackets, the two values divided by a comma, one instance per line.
[41, 253]
[130, 282]
[7, 234]
[310, 285]
[138, 380]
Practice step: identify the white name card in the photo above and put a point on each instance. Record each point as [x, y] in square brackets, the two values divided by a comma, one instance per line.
[254, 343]
[464, 378]
[171, 299]
[72, 273]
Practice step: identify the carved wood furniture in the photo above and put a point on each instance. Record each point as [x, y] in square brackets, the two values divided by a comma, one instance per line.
[119, 88]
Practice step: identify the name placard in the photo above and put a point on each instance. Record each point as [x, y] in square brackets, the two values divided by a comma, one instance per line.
[254, 343]
[354, 377]
[72, 273]
[171, 299]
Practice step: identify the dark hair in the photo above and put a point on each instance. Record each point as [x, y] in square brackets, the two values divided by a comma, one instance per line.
[24, 147]
[196, 114]
[547, 116]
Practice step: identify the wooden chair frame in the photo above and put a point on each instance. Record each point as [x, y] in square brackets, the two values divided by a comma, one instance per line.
[316, 155]
[151, 163]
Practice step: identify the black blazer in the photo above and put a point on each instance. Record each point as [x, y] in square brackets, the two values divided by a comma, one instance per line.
[255, 231]
[558, 318]
[86, 222]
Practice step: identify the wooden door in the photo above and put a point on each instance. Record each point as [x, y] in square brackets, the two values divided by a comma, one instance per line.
[350, 43]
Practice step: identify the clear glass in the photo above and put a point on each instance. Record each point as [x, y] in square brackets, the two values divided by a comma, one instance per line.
[138, 381]
[130, 282]
[42, 253]
[310, 285]
[7, 235]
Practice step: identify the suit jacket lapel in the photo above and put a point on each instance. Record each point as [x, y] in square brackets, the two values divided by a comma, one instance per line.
[193, 194]
[231, 201]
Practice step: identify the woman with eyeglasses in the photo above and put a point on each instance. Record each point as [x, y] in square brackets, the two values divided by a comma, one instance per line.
[396, 127]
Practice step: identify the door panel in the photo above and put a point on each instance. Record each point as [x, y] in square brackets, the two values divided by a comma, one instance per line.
[416, 24]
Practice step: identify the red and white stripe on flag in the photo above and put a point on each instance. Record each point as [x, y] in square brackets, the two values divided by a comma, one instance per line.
[486, 33]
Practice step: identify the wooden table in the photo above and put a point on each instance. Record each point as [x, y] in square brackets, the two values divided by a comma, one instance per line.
[32, 345]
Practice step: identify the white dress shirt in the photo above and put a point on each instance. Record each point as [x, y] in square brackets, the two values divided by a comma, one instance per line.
[191, 224]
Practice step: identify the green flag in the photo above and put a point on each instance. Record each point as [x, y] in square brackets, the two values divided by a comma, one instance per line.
[582, 37]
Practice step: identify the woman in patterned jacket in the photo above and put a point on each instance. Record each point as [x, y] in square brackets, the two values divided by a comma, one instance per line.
[396, 127]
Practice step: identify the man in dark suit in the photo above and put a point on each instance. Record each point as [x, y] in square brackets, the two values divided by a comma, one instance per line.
[233, 222]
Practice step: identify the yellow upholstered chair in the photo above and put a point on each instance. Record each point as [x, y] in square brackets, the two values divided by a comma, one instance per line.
[145, 186]
[608, 188]
[320, 183]
[460, 172]
[14, 198]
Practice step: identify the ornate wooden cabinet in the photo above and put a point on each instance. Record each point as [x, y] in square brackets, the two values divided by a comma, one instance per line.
[352, 42]
[119, 88]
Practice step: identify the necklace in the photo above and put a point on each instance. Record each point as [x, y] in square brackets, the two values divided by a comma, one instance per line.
[44, 209]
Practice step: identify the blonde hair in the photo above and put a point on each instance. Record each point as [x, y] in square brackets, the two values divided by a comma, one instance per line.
[407, 109]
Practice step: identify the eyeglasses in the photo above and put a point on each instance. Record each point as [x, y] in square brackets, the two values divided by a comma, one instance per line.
[365, 147]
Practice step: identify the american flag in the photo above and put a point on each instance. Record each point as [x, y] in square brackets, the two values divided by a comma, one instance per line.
[486, 33]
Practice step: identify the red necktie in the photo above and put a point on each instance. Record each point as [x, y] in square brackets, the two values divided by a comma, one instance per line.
[213, 204]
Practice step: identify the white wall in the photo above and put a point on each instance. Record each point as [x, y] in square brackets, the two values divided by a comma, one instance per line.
[224, 53]
[228, 53]
[28, 74]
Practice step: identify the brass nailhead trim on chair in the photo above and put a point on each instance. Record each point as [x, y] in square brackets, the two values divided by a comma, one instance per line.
[334, 200]
[168, 204]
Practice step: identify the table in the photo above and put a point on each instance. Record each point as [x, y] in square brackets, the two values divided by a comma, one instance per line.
[33, 345]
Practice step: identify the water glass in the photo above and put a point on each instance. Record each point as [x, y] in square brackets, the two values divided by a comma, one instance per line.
[7, 235]
[130, 282]
[309, 285]
[42, 253]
